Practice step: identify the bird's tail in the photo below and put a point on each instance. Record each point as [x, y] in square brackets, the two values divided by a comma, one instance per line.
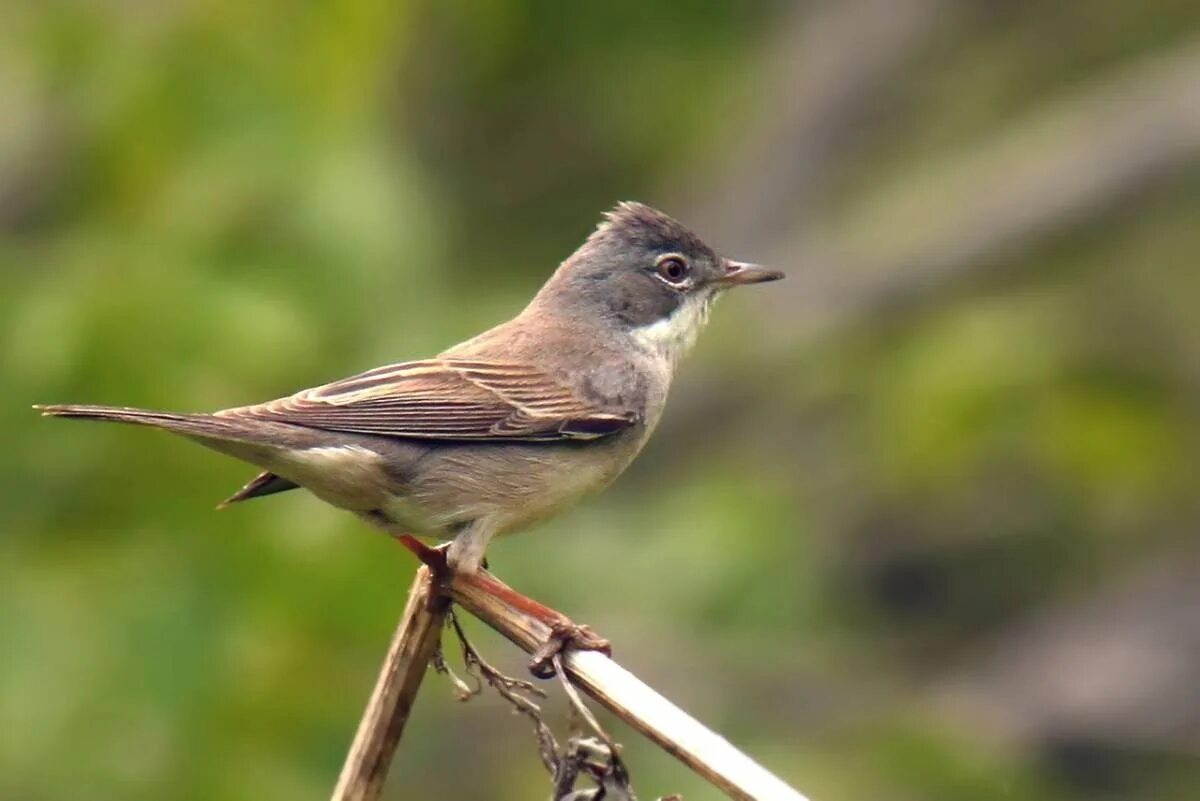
[197, 425]
[256, 441]
[259, 442]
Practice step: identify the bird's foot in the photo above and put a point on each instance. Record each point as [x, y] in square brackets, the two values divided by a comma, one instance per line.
[565, 634]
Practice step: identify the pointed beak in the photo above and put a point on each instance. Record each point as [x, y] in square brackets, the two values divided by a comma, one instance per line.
[739, 273]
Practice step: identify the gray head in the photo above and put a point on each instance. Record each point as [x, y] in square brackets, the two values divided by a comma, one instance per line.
[644, 272]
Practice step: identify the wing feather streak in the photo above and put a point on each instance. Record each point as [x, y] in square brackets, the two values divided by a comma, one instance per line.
[452, 399]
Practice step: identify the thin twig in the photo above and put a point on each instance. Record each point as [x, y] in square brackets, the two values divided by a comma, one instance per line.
[615, 771]
[581, 709]
[462, 690]
[412, 648]
[597, 757]
[514, 691]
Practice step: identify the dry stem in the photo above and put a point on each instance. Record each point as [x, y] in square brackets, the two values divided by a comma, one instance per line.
[533, 627]
[412, 647]
[704, 751]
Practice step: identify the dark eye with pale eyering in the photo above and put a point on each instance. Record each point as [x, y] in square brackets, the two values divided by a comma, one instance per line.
[673, 269]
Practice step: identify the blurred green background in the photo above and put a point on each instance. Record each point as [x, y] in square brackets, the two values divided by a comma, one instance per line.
[920, 522]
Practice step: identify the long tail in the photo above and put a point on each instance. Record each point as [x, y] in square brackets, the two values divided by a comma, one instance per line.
[254, 441]
[251, 440]
[197, 425]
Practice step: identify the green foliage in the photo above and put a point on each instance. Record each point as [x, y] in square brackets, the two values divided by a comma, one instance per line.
[209, 204]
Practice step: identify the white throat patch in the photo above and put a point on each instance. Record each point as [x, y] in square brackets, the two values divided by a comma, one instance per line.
[674, 336]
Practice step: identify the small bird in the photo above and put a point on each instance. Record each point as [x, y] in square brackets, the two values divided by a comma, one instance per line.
[506, 429]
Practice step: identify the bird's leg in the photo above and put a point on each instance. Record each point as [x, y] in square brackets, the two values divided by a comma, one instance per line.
[564, 632]
[433, 557]
[467, 549]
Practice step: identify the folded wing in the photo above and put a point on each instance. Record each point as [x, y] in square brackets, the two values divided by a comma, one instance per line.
[448, 399]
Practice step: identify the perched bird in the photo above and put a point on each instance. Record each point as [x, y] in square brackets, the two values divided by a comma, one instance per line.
[504, 430]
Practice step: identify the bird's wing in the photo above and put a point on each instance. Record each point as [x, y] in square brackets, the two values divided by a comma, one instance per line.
[449, 399]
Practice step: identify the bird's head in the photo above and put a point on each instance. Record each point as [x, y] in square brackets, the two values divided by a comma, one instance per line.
[645, 273]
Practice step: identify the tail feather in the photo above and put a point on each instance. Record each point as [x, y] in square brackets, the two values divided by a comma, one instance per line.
[266, 444]
[265, 483]
[249, 439]
[200, 425]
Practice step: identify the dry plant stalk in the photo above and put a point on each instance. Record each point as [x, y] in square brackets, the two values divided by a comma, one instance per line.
[626, 696]
[532, 628]
[413, 645]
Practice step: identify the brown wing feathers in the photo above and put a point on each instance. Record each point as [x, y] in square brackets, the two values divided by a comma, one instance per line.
[445, 399]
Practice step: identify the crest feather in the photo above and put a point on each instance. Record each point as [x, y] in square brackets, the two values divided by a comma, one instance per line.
[639, 224]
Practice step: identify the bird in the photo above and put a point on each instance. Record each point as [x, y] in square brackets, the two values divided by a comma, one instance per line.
[502, 431]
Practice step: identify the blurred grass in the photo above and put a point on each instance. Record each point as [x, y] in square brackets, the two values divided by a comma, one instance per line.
[208, 204]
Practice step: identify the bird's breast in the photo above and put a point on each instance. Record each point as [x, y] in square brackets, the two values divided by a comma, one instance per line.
[513, 485]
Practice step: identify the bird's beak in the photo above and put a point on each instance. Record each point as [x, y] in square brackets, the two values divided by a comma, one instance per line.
[739, 273]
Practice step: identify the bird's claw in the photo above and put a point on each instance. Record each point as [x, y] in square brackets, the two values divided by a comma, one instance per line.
[565, 635]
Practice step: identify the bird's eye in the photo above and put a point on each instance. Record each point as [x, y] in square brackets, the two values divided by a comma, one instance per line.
[673, 269]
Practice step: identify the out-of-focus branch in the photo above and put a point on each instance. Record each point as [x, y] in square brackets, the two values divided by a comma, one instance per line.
[1135, 639]
[938, 225]
[412, 647]
[942, 222]
[820, 83]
